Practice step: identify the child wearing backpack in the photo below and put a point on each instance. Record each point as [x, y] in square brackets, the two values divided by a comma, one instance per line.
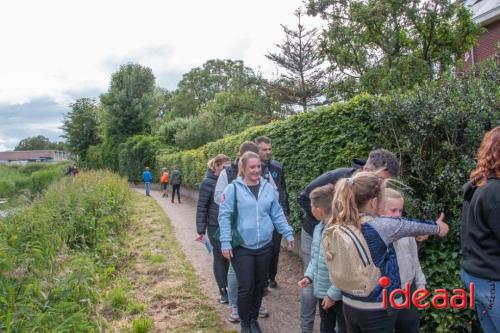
[358, 250]
[408, 320]
[329, 297]
[165, 178]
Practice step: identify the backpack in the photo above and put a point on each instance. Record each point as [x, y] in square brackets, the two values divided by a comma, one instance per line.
[349, 260]
[164, 178]
[231, 172]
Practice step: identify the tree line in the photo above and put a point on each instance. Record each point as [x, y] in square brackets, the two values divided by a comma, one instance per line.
[376, 47]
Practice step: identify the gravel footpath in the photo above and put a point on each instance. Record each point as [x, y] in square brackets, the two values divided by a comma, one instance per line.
[282, 302]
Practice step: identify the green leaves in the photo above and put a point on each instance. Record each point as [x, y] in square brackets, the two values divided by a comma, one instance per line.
[435, 130]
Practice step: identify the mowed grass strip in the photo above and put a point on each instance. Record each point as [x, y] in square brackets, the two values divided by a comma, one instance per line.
[158, 291]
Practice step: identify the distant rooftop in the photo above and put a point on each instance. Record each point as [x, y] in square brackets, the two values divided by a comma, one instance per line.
[484, 11]
[34, 155]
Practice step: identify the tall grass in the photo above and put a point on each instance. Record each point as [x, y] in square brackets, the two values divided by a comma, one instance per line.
[55, 254]
[33, 177]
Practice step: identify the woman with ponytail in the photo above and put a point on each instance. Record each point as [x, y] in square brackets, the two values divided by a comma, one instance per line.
[356, 204]
[481, 231]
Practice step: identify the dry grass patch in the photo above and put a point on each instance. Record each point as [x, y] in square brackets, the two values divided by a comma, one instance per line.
[158, 291]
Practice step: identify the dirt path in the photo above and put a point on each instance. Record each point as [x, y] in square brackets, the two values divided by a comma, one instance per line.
[282, 302]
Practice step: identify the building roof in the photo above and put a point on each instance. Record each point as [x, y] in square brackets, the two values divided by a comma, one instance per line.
[484, 11]
[28, 155]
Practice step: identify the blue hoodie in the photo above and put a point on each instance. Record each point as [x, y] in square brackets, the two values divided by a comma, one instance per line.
[256, 218]
[147, 176]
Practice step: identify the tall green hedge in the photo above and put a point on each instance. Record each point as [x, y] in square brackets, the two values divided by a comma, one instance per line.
[435, 131]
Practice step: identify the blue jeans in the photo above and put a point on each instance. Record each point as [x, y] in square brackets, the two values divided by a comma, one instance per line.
[232, 288]
[487, 302]
[148, 187]
[307, 299]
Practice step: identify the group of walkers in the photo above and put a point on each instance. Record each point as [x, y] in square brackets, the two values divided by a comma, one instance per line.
[165, 179]
[353, 233]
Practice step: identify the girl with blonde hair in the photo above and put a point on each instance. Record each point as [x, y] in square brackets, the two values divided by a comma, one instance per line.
[356, 204]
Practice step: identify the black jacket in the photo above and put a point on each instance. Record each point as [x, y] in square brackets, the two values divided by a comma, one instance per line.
[480, 230]
[275, 169]
[207, 211]
[329, 177]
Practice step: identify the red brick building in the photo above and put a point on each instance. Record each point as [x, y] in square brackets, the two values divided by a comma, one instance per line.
[487, 14]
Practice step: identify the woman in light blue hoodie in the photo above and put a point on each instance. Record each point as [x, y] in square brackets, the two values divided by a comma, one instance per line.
[259, 213]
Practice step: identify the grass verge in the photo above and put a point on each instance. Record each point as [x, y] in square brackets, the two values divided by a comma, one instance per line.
[158, 291]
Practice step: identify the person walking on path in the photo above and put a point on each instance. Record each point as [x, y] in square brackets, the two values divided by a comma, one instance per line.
[165, 178]
[386, 164]
[207, 213]
[227, 176]
[480, 231]
[275, 170]
[147, 177]
[176, 181]
[256, 204]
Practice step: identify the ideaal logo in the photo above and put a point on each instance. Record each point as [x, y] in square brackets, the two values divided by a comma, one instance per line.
[439, 300]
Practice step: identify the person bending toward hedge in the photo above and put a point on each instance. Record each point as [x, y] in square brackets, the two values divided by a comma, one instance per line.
[356, 204]
[207, 213]
[387, 165]
[480, 262]
[258, 213]
[407, 320]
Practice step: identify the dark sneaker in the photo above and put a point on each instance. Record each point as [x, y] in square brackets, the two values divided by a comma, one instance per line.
[273, 284]
[263, 313]
[223, 296]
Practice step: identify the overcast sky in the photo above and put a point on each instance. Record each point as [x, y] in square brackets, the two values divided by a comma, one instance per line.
[56, 51]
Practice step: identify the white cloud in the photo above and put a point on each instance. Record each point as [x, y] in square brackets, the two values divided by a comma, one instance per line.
[54, 48]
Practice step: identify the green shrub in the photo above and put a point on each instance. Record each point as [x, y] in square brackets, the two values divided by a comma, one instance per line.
[32, 177]
[136, 153]
[435, 130]
[53, 253]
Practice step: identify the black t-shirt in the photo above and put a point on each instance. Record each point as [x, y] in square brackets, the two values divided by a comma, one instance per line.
[255, 190]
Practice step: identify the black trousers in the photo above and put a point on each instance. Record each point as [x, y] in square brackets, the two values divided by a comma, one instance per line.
[408, 320]
[221, 264]
[252, 269]
[273, 268]
[331, 317]
[176, 188]
[369, 321]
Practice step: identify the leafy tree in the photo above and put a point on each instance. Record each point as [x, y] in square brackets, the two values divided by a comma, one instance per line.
[137, 152]
[130, 105]
[39, 142]
[200, 85]
[377, 46]
[300, 57]
[228, 113]
[80, 126]
[169, 129]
